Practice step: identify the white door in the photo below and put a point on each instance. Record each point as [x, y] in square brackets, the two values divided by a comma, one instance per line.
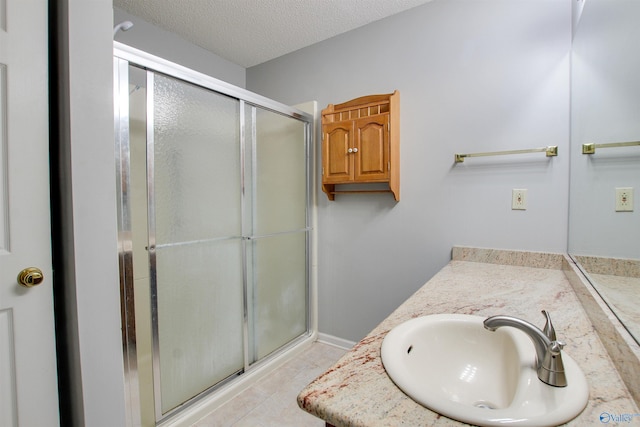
[28, 379]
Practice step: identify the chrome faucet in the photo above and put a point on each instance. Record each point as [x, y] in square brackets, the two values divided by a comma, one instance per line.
[548, 349]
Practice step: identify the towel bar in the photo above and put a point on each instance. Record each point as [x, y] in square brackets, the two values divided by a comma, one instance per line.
[551, 151]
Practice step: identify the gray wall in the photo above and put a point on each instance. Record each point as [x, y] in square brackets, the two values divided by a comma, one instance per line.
[156, 41]
[473, 76]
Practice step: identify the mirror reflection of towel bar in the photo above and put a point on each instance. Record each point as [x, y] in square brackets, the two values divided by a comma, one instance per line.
[591, 148]
[551, 151]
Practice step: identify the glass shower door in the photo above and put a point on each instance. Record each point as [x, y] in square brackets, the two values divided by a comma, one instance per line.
[278, 254]
[195, 239]
[214, 233]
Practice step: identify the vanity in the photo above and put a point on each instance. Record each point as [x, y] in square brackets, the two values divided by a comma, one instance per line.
[357, 391]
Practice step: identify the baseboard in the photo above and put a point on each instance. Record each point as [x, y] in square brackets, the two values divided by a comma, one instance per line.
[335, 341]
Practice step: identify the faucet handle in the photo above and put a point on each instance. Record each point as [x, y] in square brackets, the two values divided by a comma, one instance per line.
[556, 347]
[549, 330]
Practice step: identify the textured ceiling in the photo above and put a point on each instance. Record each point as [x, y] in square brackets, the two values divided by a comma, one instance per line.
[250, 32]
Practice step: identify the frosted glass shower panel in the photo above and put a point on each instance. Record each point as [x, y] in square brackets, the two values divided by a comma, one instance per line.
[196, 161]
[280, 173]
[219, 205]
[279, 291]
[195, 216]
[200, 312]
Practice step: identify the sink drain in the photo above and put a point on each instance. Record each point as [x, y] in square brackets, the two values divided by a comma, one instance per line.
[484, 405]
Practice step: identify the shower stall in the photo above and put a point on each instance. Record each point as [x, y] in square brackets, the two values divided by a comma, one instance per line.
[215, 230]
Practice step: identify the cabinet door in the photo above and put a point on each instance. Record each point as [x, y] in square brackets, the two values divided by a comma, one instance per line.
[372, 142]
[337, 161]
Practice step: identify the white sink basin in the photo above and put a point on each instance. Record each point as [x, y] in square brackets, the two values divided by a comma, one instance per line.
[452, 365]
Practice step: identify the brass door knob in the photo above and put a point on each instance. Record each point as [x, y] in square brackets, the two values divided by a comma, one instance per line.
[30, 277]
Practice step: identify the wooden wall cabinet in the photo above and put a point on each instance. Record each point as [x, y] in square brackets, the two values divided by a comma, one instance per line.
[361, 145]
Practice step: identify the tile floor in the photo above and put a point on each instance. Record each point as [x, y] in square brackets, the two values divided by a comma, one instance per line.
[272, 401]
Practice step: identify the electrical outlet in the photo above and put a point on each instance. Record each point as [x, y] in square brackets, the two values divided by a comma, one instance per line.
[624, 199]
[519, 199]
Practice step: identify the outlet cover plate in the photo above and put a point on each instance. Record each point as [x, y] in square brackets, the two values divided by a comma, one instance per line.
[624, 199]
[519, 199]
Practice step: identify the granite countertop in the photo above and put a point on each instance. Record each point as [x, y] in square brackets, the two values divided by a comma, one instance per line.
[357, 391]
[618, 283]
[622, 293]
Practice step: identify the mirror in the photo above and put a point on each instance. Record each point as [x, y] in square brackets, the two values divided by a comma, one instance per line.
[605, 108]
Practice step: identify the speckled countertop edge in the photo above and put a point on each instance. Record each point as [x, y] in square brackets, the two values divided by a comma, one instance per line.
[623, 350]
[357, 392]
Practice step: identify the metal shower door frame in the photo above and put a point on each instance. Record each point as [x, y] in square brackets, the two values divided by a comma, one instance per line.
[124, 56]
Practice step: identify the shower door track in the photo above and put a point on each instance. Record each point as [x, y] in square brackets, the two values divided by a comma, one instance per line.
[151, 62]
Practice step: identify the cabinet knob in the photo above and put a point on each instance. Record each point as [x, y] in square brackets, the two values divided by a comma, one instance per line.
[355, 150]
[350, 150]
